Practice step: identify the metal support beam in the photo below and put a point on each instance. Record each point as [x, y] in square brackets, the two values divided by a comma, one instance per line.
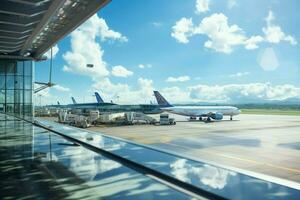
[31, 2]
[16, 29]
[77, 19]
[19, 20]
[52, 11]
[20, 9]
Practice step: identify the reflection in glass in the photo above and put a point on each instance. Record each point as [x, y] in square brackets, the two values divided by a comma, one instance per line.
[208, 175]
[27, 96]
[10, 82]
[12, 85]
[20, 68]
[27, 68]
[27, 82]
[28, 109]
[17, 108]
[10, 68]
[9, 108]
[10, 96]
[18, 82]
[2, 96]
[18, 96]
[2, 81]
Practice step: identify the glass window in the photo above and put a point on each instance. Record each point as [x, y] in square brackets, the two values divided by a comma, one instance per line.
[10, 68]
[2, 96]
[19, 82]
[1, 107]
[19, 96]
[17, 108]
[27, 68]
[20, 67]
[9, 108]
[2, 82]
[2, 68]
[28, 109]
[27, 96]
[27, 82]
[10, 94]
[10, 82]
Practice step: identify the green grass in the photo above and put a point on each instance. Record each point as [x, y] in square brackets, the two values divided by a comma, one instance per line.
[271, 112]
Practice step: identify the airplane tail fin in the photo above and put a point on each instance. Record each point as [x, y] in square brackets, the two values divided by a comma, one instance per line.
[58, 103]
[73, 100]
[98, 97]
[162, 102]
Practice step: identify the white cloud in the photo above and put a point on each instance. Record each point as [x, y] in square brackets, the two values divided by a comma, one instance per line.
[252, 42]
[274, 33]
[202, 6]
[121, 71]
[175, 95]
[183, 29]
[268, 61]
[239, 74]
[55, 50]
[61, 88]
[210, 176]
[231, 3]
[243, 93]
[86, 50]
[143, 66]
[223, 37]
[157, 24]
[142, 94]
[178, 79]
[229, 93]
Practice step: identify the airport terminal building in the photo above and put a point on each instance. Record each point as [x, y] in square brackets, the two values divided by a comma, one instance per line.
[16, 87]
[44, 160]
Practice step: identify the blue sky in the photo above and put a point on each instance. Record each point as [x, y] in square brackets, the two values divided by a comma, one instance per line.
[191, 50]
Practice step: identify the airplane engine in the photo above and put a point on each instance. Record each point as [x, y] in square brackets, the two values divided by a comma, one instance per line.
[217, 116]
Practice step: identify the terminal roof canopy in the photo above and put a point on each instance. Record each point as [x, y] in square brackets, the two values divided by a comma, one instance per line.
[28, 28]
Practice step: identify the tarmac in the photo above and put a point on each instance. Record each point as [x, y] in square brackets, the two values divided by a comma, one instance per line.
[258, 144]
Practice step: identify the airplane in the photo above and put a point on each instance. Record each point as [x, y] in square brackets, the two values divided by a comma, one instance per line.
[98, 98]
[73, 100]
[208, 112]
[106, 107]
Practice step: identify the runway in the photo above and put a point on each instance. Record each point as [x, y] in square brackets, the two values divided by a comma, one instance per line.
[266, 144]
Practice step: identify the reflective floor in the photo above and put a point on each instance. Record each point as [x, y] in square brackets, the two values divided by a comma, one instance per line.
[37, 164]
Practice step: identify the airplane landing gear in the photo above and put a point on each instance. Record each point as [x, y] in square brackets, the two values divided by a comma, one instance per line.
[193, 118]
[208, 119]
[230, 118]
[200, 119]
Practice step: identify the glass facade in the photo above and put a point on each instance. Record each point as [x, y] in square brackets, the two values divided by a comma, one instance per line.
[16, 87]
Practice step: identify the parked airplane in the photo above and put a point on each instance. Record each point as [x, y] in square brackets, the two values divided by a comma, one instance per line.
[98, 98]
[73, 100]
[209, 112]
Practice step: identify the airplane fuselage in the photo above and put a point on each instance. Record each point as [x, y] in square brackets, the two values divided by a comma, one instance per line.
[202, 111]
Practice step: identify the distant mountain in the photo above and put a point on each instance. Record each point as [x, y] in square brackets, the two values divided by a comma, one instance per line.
[291, 101]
